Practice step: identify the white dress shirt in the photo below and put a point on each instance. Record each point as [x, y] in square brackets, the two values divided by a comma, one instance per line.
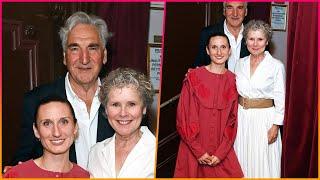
[235, 46]
[87, 122]
[140, 162]
[268, 81]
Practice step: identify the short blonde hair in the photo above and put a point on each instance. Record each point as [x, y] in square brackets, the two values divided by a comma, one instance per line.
[124, 77]
[254, 25]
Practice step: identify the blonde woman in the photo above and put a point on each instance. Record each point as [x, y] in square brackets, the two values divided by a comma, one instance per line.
[130, 152]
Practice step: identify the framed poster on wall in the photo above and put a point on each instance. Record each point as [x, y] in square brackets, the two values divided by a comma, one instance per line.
[278, 17]
[154, 64]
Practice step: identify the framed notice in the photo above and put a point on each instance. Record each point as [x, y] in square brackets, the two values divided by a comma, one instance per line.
[278, 17]
[154, 64]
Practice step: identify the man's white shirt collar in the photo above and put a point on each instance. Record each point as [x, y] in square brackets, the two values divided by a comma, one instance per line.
[69, 90]
[235, 46]
[228, 33]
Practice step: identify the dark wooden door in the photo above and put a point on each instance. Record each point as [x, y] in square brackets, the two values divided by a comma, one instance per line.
[26, 62]
[31, 56]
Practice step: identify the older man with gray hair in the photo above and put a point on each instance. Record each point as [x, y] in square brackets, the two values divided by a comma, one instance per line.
[232, 26]
[84, 40]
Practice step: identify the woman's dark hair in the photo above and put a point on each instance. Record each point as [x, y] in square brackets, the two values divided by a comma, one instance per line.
[217, 34]
[49, 99]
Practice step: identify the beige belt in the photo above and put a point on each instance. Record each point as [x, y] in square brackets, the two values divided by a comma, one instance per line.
[247, 103]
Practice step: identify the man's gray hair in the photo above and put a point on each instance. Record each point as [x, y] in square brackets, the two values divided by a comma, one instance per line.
[83, 18]
[225, 4]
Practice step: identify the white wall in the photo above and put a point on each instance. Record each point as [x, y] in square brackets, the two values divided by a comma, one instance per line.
[156, 20]
[279, 42]
[155, 29]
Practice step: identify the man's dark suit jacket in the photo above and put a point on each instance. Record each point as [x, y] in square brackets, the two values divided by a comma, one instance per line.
[30, 147]
[202, 56]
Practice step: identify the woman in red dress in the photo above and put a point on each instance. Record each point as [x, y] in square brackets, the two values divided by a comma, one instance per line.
[207, 117]
[56, 127]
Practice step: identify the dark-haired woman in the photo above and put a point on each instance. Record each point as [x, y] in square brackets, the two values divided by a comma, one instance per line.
[56, 128]
[207, 117]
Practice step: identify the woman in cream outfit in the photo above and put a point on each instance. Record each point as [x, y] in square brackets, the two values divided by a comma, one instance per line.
[260, 79]
[130, 153]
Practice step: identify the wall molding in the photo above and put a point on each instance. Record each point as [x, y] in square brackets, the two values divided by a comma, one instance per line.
[30, 46]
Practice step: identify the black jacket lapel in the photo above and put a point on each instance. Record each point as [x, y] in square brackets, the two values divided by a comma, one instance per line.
[104, 129]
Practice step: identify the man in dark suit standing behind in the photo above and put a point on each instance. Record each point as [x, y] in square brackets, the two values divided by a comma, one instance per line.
[232, 26]
[83, 40]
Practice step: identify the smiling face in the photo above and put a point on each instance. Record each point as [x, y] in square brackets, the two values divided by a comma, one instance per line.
[124, 110]
[85, 54]
[235, 13]
[218, 49]
[56, 128]
[256, 42]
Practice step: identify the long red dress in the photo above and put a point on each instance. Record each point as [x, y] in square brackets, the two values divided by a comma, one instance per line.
[207, 122]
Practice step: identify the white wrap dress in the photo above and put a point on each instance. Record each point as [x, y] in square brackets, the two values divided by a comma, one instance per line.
[258, 158]
[140, 163]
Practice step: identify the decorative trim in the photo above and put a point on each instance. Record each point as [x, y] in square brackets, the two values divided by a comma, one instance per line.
[167, 139]
[31, 46]
[170, 158]
[171, 100]
[207, 14]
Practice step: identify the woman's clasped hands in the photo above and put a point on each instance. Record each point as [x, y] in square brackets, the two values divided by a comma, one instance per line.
[206, 159]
